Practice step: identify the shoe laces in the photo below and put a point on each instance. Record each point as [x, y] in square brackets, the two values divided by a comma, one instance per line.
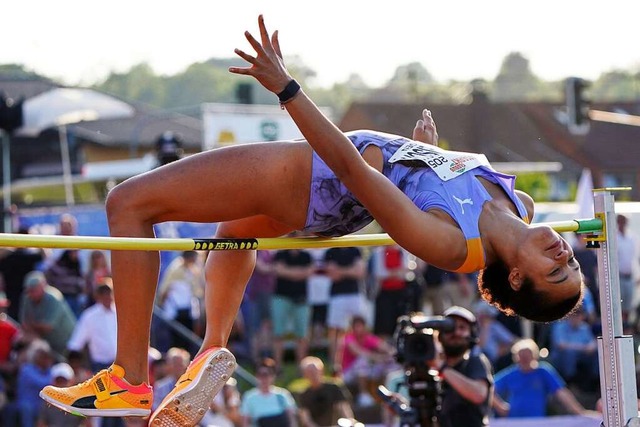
[102, 384]
[94, 377]
[102, 375]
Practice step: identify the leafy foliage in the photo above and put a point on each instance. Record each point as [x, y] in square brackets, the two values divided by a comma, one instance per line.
[537, 185]
[210, 81]
[19, 72]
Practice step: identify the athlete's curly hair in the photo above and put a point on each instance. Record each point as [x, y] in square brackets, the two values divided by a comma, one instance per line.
[494, 287]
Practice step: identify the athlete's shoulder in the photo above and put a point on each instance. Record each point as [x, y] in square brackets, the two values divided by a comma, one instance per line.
[527, 201]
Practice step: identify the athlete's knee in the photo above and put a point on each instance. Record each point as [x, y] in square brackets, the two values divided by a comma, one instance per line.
[123, 204]
[112, 202]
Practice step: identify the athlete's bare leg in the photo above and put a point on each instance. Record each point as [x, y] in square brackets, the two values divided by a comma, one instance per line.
[215, 186]
[227, 274]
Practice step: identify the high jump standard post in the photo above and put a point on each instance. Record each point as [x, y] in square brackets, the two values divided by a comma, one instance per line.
[617, 367]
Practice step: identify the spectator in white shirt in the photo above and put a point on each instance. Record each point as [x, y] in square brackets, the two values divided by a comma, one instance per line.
[96, 328]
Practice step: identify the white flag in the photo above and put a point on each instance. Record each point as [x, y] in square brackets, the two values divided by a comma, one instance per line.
[584, 195]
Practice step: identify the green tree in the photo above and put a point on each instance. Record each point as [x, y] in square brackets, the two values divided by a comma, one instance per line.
[211, 82]
[516, 81]
[140, 84]
[536, 184]
[411, 74]
[19, 72]
[200, 82]
[617, 85]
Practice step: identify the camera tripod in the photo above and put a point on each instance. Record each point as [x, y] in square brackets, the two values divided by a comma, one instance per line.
[420, 410]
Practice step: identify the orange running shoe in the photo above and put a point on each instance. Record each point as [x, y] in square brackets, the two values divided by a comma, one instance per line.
[195, 389]
[106, 394]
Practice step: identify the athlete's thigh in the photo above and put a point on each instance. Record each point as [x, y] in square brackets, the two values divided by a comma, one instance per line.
[227, 184]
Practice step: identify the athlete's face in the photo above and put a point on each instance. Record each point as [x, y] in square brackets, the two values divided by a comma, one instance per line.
[547, 260]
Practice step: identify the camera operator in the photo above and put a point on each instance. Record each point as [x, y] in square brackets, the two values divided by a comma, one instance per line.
[467, 381]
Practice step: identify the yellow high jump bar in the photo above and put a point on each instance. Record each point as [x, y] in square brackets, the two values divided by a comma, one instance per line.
[162, 244]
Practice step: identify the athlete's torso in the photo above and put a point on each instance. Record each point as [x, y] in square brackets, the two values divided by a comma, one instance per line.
[461, 196]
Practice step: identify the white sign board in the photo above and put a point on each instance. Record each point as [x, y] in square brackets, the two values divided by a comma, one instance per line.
[225, 124]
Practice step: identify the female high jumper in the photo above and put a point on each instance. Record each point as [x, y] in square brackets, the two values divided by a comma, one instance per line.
[450, 209]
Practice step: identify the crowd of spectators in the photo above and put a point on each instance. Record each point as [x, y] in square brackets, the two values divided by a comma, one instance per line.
[327, 315]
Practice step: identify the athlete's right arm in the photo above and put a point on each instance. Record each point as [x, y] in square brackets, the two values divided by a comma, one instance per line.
[421, 233]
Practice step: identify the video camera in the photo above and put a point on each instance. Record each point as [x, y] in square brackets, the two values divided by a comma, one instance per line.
[415, 348]
[414, 337]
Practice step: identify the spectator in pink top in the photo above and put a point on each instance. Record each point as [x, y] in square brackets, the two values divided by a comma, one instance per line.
[365, 357]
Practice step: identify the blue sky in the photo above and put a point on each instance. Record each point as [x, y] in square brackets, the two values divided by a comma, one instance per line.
[81, 42]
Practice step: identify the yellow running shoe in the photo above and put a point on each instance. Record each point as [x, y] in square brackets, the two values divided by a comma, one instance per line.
[106, 394]
[195, 389]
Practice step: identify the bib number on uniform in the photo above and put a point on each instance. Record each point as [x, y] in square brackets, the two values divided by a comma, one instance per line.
[446, 164]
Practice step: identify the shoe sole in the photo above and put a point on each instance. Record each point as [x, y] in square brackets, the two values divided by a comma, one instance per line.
[82, 412]
[189, 405]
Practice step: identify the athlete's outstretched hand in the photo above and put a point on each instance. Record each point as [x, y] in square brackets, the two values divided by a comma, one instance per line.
[267, 66]
[425, 130]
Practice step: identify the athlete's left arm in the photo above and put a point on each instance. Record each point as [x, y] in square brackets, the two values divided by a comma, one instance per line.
[425, 129]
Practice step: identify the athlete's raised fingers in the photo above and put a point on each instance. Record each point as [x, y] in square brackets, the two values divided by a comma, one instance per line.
[250, 59]
[254, 43]
[264, 34]
[275, 41]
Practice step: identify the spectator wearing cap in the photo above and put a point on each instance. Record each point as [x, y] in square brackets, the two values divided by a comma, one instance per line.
[467, 381]
[44, 313]
[61, 375]
[97, 328]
